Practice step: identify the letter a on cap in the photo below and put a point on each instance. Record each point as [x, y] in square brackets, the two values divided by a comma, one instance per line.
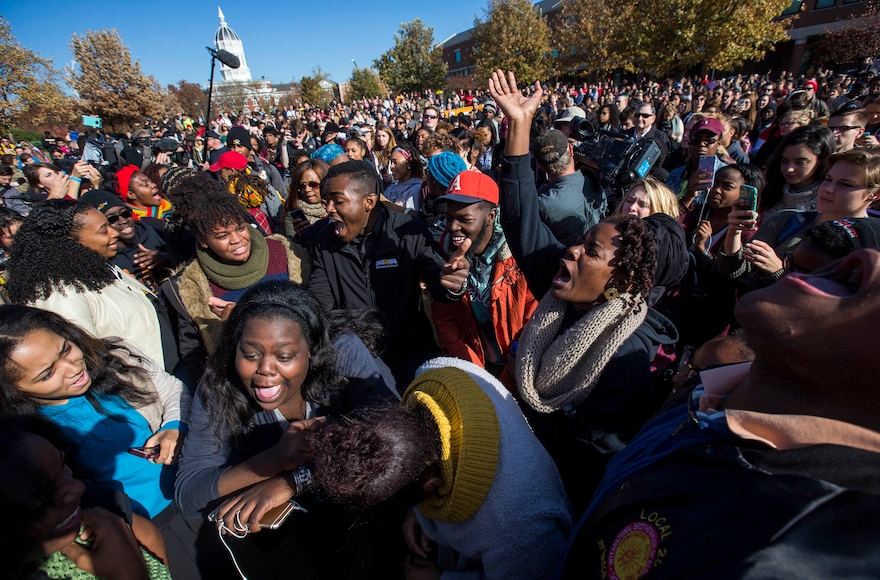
[455, 185]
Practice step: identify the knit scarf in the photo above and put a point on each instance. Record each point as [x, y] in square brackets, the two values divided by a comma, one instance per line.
[238, 276]
[554, 370]
[469, 441]
[313, 211]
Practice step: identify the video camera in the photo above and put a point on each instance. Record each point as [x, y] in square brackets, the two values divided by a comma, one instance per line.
[619, 158]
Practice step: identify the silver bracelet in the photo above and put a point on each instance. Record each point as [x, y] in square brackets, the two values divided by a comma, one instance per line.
[302, 479]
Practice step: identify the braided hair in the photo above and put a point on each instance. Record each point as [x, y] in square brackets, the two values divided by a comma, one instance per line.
[638, 260]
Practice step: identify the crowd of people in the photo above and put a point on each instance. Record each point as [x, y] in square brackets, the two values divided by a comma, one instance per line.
[434, 336]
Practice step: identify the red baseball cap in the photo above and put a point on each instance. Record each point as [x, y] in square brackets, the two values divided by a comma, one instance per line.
[230, 160]
[710, 124]
[471, 187]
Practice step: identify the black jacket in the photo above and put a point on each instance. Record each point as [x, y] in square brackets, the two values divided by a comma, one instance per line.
[387, 279]
[724, 507]
[582, 439]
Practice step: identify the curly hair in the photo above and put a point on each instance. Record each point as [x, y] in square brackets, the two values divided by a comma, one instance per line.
[212, 209]
[46, 255]
[374, 454]
[230, 406]
[184, 196]
[414, 158]
[105, 360]
[638, 260]
[437, 142]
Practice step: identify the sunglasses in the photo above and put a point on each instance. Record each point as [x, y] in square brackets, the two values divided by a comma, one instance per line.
[704, 141]
[687, 360]
[123, 215]
[308, 185]
[645, 115]
[430, 116]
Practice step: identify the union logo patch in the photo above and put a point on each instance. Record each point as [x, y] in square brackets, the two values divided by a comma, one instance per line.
[633, 551]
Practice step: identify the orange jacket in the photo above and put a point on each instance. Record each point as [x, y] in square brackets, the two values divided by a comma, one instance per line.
[512, 304]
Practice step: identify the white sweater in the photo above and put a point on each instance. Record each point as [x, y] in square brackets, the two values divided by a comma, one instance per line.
[121, 309]
[525, 520]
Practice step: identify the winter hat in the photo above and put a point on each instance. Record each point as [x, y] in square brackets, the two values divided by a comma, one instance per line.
[238, 136]
[470, 438]
[174, 176]
[444, 166]
[101, 200]
[123, 178]
[327, 153]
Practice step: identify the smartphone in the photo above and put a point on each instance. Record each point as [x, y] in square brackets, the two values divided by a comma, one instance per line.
[749, 193]
[276, 516]
[298, 214]
[145, 452]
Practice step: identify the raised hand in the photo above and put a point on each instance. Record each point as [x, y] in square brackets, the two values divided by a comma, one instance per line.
[511, 100]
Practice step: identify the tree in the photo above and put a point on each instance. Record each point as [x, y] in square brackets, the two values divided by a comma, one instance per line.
[665, 36]
[312, 91]
[29, 92]
[109, 84]
[856, 40]
[364, 84]
[514, 36]
[414, 63]
[191, 97]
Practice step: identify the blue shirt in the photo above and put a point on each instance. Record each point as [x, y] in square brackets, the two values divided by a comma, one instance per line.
[102, 441]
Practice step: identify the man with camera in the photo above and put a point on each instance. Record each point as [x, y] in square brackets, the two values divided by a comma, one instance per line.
[644, 130]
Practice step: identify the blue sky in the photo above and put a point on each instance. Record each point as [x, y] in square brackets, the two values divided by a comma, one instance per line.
[281, 43]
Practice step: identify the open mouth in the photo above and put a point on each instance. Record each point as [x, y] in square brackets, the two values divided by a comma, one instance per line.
[240, 251]
[127, 231]
[81, 380]
[338, 227]
[267, 394]
[69, 524]
[457, 240]
[563, 277]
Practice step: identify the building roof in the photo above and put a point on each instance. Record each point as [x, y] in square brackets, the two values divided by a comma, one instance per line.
[224, 32]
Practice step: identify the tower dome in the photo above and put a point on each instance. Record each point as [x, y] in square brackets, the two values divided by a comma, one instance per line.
[226, 39]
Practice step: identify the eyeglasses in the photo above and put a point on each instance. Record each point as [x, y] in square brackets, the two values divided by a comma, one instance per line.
[844, 128]
[303, 185]
[645, 115]
[705, 140]
[123, 215]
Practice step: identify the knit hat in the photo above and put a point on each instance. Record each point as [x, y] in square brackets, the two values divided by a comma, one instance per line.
[810, 83]
[471, 187]
[847, 234]
[446, 165]
[230, 160]
[212, 135]
[470, 437]
[174, 177]
[238, 136]
[489, 107]
[123, 178]
[101, 200]
[327, 153]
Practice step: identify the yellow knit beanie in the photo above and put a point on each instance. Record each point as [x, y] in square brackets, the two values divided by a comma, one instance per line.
[469, 437]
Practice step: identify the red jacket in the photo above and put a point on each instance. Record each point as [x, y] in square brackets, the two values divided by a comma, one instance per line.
[511, 304]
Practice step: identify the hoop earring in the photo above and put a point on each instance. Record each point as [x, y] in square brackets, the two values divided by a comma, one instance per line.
[611, 294]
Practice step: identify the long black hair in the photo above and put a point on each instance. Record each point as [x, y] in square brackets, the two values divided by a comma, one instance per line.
[47, 255]
[105, 360]
[819, 140]
[230, 407]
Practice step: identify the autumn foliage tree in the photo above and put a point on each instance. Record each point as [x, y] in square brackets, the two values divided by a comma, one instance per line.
[109, 84]
[667, 36]
[190, 97]
[414, 63]
[29, 91]
[312, 91]
[513, 36]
